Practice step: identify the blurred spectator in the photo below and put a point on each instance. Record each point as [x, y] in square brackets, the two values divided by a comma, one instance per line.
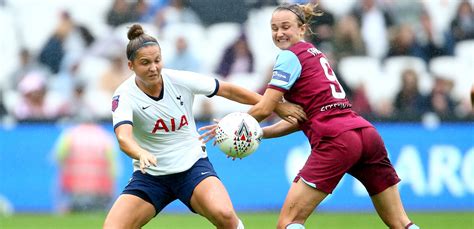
[237, 58]
[404, 11]
[432, 43]
[140, 9]
[347, 38]
[3, 110]
[206, 111]
[152, 8]
[321, 27]
[33, 104]
[403, 42]
[409, 103]
[472, 97]
[184, 59]
[114, 75]
[87, 158]
[470, 106]
[373, 22]
[462, 25]
[262, 3]
[217, 11]
[440, 100]
[28, 64]
[63, 82]
[78, 107]
[67, 43]
[176, 12]
[121, 12]
[53, 51]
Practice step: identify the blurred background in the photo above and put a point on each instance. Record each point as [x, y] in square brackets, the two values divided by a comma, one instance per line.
[406, 65]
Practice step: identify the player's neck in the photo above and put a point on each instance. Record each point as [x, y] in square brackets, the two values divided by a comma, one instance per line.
[153, 90]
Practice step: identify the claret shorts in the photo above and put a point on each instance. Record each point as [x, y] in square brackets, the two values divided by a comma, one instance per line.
[359, 152]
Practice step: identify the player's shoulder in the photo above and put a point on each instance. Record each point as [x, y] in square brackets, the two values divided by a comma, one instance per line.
[174, 74]
[304, 47]
[126, 86]
[184, 78]
[287, 56]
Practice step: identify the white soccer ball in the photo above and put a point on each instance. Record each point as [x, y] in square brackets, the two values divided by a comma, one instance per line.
[238, 134]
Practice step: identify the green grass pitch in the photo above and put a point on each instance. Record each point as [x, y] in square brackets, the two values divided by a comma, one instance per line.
[451, 220]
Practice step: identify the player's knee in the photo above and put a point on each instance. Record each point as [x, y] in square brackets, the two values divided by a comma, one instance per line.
[395, 223]
[111, 223]
[226, 218]
[108, 223]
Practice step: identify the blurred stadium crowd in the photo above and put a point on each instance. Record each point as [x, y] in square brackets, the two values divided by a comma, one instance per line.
[398, 60]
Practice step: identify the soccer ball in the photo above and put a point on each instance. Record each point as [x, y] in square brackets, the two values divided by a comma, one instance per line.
[238, 134]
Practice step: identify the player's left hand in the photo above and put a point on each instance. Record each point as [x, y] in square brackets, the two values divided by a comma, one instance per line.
[210, 132]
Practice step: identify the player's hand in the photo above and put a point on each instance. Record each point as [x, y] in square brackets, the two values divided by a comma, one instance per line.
[146, 160]
[210, 132]
[233, 158]
[290, 112]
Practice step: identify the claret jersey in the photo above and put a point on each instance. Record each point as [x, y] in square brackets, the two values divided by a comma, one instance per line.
[165, 126]
[303, 73]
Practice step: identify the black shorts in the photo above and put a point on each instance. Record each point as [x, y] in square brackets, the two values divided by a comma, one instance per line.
[162, 190]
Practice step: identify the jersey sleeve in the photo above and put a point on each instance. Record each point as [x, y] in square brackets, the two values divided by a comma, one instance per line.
[198, 83]
[286, 71]
[122, 110]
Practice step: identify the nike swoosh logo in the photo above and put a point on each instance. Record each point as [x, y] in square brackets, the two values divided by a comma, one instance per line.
[143, 107]
[204, 173]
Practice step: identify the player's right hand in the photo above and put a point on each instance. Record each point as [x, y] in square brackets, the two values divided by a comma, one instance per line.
[146, 160]
[210, 132]
[290, 112]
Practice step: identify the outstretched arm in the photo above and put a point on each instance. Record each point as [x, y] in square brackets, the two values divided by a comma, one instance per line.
[264, 105]
[271, 101]
[267, 104]
[279, 129]
[237, 93]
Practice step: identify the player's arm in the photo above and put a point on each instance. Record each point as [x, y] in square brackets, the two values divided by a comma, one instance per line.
[267, 103]
[128, 145]
[286, 71]
[237, 93]
[279, 129]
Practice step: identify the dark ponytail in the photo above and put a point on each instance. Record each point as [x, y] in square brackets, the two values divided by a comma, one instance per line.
[138, 39]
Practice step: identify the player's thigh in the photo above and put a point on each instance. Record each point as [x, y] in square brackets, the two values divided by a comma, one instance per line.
[129, 211]
[300, 202]
[330, 160]
[390, 208]
[210, 199]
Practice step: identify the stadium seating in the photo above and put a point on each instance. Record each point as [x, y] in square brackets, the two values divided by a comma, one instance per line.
[465, 51]
[453, 68]
[10, 46]
[195, 34]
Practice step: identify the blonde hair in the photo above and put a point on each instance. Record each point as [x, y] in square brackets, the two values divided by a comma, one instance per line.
[304, 13]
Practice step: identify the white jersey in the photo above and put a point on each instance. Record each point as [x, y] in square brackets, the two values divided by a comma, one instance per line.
[165, 126]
